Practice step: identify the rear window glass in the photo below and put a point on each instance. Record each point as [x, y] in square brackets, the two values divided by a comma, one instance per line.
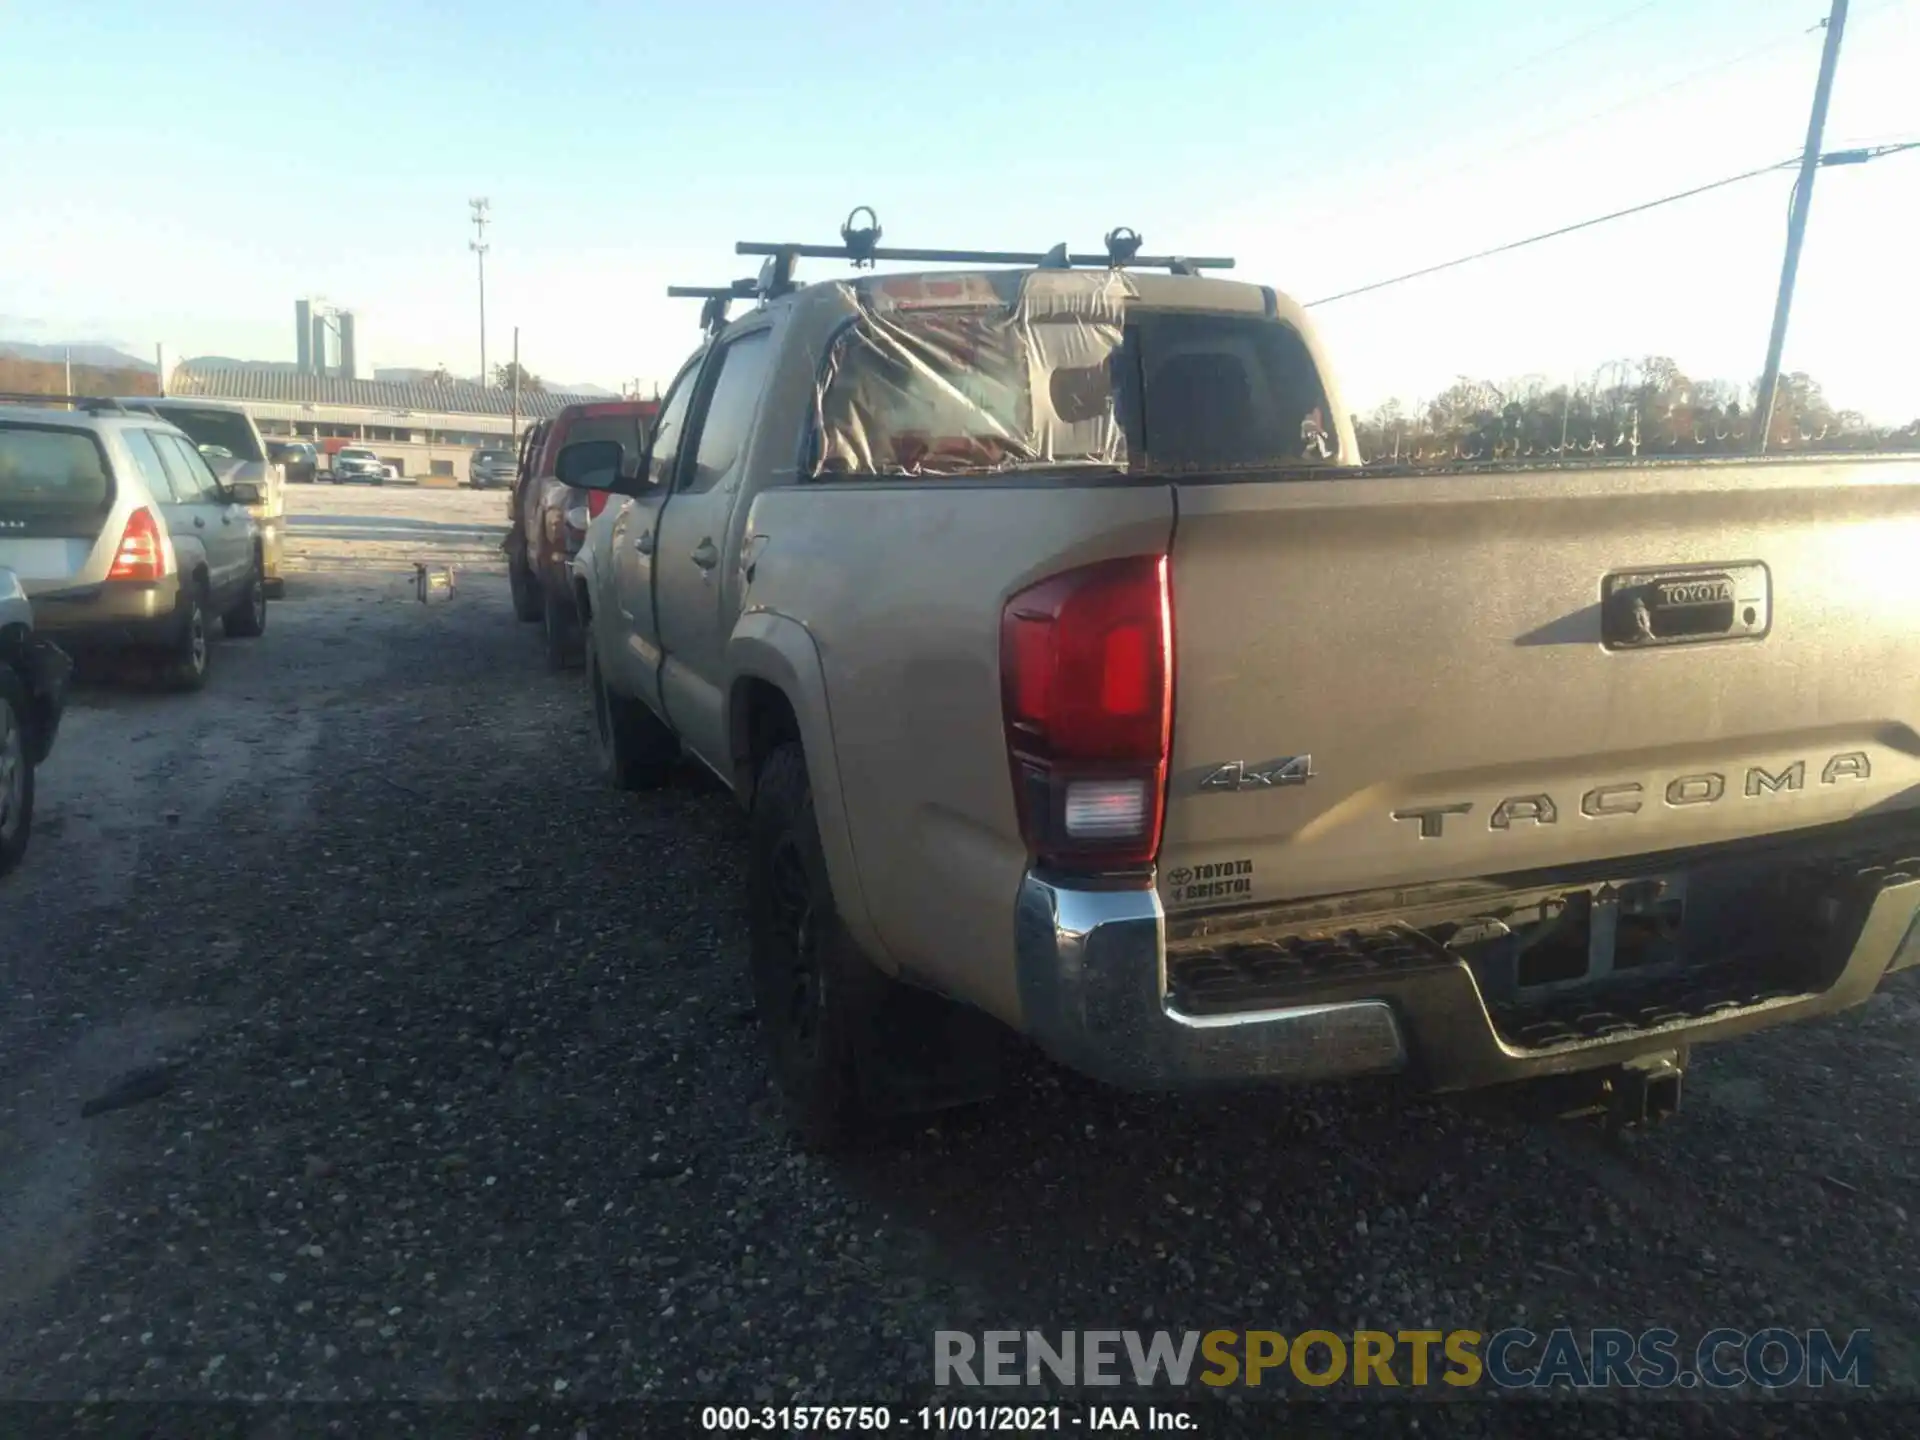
[1226, 392]
[227, 430]
[622, 428]
[44, 468]
[959, 381]
[1067, 374]
[495, 457]
[356, 455]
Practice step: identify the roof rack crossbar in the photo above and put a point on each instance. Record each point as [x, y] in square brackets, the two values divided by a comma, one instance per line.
[860, 245]
[713, 314]
[1178, 263]
[89, 403]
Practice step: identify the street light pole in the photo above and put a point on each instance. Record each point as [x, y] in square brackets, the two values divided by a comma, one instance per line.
[1797, 226]
[480, 206]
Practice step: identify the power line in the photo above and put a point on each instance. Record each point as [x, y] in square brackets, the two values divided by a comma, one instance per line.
[1353, 142]
[1837, 157]
[1482, 159]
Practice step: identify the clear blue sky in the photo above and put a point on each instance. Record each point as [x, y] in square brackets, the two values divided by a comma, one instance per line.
[181, 174]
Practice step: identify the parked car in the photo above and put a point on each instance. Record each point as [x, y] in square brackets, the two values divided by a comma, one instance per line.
[33, 691]
[123, 537]
[361, 465]
[547, 519]
[492, 465]
[1074, 672]
[231, 443]
[298, 459]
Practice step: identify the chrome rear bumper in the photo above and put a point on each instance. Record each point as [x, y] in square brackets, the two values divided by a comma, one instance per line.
[1095, 994]
[1093, 989]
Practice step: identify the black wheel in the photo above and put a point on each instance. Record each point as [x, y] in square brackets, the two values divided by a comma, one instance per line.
[528, 602]
[16, 772]
[248, 617]
[186, 660]
[635, 749]
[817, 998]
[560, 632]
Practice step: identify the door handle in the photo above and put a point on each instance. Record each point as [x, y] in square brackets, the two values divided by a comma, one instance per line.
[705, 556]
[645, 543]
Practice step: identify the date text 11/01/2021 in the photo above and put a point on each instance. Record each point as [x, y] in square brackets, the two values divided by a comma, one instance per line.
[944, 1419]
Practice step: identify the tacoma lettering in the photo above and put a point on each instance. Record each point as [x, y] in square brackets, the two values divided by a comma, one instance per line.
[1626, 797]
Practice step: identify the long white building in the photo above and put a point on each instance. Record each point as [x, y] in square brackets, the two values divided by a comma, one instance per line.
[425, 430]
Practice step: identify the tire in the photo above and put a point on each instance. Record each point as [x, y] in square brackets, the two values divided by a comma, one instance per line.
[816, 996]
[186, 660]
[635, 749]
[16, 772]
[528, 601]
[248, 617]
[560, 634]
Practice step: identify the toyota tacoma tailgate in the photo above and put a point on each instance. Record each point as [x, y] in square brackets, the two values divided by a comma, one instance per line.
[1385, 680]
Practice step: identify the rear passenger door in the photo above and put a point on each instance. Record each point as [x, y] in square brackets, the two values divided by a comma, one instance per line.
[157, 465]
[631, 546]
[231, 524]
[221, 528]
[698, 582]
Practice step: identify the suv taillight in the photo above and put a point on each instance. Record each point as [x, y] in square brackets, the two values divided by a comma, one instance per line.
[143, 549]
[1086, 671]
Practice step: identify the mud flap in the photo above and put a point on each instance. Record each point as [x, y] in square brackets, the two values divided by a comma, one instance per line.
[49, 670]
[929, 1053]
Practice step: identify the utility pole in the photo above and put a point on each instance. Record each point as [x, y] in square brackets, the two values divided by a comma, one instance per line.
[480, 205]
[160, 368]
[516, 387]
[1797, 226]
[68, 355]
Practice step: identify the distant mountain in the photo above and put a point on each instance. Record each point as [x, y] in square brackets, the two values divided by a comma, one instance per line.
[413, 375]
[227, 362]
[84, 352]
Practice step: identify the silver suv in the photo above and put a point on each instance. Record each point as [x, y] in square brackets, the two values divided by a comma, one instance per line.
[492, 465]
[231, 443]
[123, 538]
[357, 464]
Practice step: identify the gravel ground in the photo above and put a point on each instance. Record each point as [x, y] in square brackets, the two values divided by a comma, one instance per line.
[445, 1084]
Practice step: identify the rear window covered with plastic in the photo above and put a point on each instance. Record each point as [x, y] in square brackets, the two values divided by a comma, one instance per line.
[946, 376]
[949, 376]
[48, 469]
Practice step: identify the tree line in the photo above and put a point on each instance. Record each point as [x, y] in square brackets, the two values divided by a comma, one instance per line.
[49, 377]
[1628, 408]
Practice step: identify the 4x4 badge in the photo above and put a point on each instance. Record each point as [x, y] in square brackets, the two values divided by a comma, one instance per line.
[1239, 775]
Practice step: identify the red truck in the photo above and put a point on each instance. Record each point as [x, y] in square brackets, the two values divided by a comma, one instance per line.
[547, 520]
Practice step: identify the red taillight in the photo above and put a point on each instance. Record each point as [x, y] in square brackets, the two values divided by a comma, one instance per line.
[596, 502]
[143, 550]
[1086, 661]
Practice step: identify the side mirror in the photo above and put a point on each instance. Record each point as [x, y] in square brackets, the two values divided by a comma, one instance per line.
[595, 465]
[244, 492]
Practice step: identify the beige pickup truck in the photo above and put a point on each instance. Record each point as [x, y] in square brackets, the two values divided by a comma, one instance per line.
[1075, 674]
